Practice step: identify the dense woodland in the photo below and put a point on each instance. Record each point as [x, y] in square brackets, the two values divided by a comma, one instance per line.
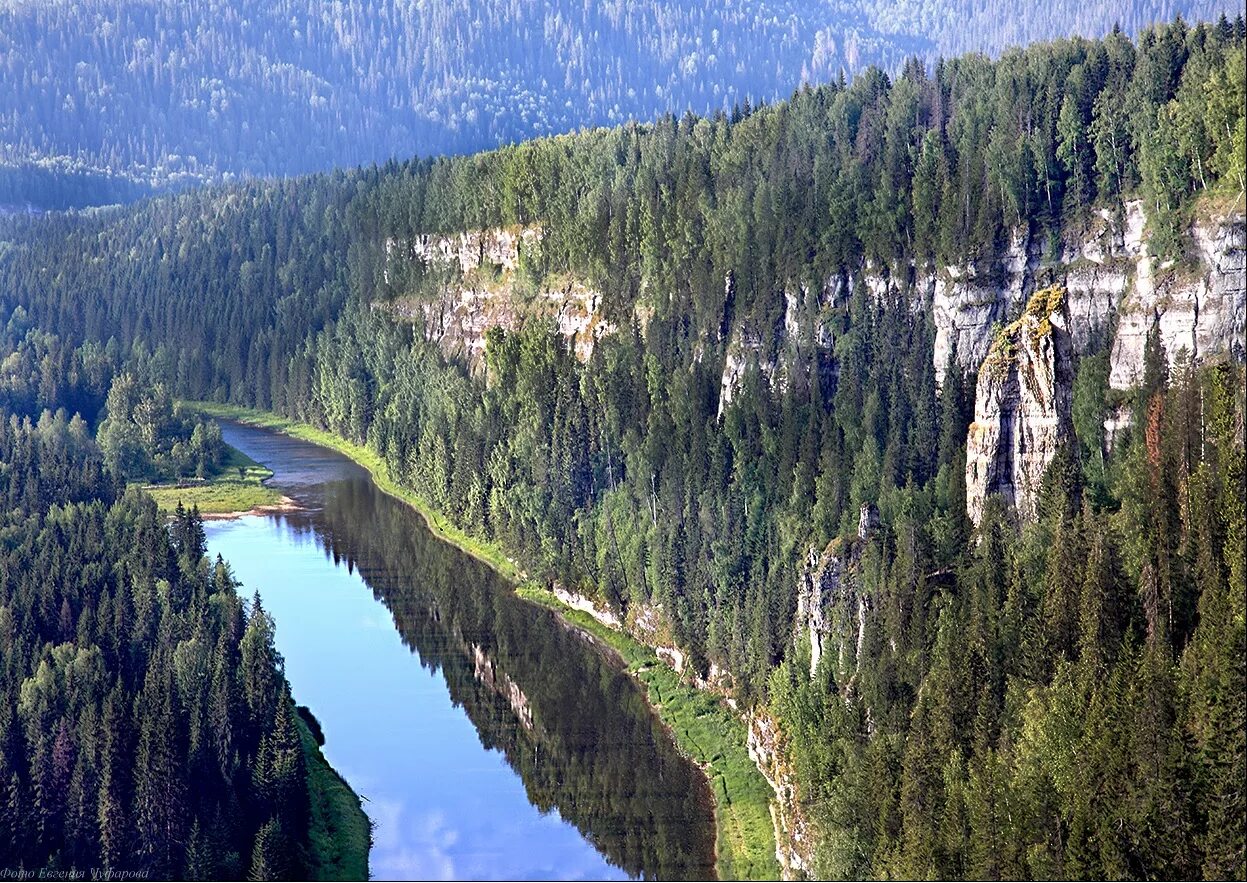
[141, 433]
[1065, 698]
[105, 99]
[146, 726]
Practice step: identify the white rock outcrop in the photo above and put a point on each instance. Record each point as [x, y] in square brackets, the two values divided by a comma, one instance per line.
[794, 841]
[1022, 407]
[480, 290]
[967, 301]
[1112, 282]
[774, 351]
[471, 249]
[1199, 310]
[831, 608]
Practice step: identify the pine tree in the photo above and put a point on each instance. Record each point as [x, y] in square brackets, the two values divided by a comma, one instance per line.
[268, 854]
[201, 857]
[1066, 557]
[260, 666]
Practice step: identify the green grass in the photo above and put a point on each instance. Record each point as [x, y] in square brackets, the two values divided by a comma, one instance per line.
[370, 460]
[710, 734]
[237, 487]
[704, 729]
[339, 833]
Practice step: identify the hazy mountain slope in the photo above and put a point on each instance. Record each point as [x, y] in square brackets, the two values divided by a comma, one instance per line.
[161, 92]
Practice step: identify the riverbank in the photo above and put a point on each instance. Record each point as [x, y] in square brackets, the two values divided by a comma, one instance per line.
[339, 833]
[707, 732]
[438, 524]
[236, 489]
[703, 727]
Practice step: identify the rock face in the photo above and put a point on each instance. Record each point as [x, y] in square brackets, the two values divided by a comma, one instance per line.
[746, 350]
[1111, 281]
[480, 286]
[831, 609]
[471, 249]
[968, 300]
[794, 843]
[773, 351]
[1022, 407]
[1201, 311]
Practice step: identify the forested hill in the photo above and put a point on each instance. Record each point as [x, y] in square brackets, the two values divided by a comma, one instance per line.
[146, 724]
[101, 100]
[723, 373]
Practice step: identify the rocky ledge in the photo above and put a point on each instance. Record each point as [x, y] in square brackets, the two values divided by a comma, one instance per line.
[479, 279]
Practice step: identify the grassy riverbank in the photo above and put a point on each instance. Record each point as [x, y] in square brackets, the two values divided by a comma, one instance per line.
[238, 486]
[709, 733]
[705, 729]
[339, 833]
[371, 461]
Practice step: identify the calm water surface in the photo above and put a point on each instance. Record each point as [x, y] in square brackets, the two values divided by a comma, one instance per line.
[489, 740]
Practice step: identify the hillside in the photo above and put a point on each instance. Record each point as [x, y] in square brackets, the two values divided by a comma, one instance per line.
[101, 101]
[908, 412]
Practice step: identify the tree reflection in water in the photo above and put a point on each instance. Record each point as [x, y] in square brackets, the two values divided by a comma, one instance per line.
[569, 721]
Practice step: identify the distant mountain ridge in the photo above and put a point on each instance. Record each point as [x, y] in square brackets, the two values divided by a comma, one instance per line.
[150, 94]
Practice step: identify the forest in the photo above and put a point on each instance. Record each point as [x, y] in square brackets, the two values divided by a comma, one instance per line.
[147, 727]
[105, 101]
[1005, 667]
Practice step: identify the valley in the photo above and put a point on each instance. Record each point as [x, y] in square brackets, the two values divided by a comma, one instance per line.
[847, 485]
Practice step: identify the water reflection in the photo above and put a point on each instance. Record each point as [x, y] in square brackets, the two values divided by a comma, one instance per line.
[573, 727]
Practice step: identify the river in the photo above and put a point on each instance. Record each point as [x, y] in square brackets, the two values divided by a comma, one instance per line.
[489, 740]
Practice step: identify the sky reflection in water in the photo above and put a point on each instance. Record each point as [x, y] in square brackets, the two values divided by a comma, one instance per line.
[445, 807]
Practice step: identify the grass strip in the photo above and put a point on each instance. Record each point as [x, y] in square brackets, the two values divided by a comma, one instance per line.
[238, 486]
[339, 833]
[706, 731]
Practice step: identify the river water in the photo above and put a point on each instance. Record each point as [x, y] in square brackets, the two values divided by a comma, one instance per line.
[489, 740]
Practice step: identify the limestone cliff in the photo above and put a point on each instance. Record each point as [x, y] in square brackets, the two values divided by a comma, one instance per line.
[774, 351]
[1022, 406]
[477, 280]
[968, 300]
[831, 611]
[1112, 283]
[1199, 308]
[831, 608]
[794, 841]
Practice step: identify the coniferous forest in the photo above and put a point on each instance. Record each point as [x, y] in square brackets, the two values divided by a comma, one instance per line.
[1005, 697]
[146, 723]
[104, 102]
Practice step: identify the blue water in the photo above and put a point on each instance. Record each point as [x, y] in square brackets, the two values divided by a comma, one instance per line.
[460, 713]
[445, 808]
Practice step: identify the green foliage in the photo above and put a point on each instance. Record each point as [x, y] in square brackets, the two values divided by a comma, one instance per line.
[1225, 95]
[150, 725]
[1063, 723]
[224, 84]
[237, 486]
[1091, 402]
[339, 835]
[932, 744]
[143, 437]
